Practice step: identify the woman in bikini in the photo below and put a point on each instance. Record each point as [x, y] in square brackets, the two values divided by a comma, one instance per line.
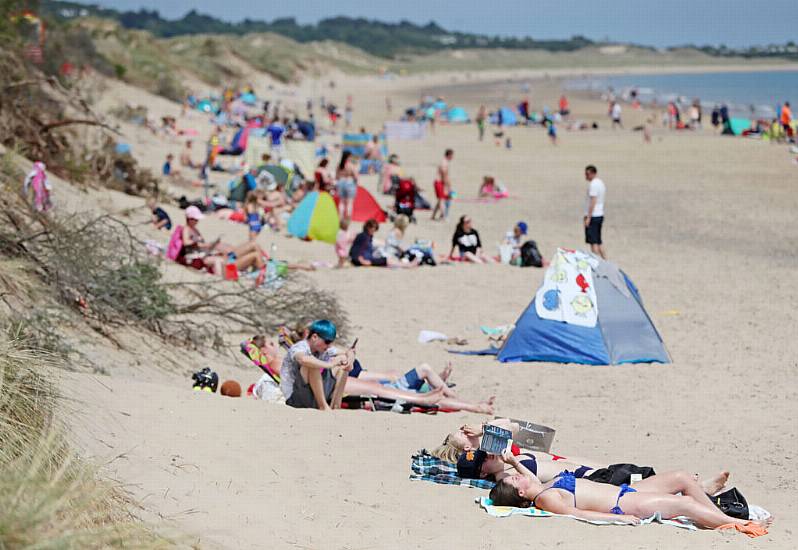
[546, 466]
[584, 499]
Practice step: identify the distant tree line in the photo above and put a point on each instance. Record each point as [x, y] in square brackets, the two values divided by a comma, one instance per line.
[381, 39]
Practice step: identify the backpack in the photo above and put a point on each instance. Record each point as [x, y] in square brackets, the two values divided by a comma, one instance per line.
[530, 255]
[175, 243]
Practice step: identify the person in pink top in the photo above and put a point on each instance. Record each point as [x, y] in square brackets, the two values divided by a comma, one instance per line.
[343, 242]
[37, 181]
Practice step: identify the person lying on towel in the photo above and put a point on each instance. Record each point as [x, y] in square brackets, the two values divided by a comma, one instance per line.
[480, 465]
[601, 502]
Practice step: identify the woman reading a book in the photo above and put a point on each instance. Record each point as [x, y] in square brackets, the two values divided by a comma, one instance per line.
[462, 448]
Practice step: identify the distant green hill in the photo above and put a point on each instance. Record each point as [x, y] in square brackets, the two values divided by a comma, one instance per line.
[377, 38]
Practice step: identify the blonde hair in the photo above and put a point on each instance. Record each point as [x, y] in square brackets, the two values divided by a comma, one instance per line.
[401, 222]
[447, 452]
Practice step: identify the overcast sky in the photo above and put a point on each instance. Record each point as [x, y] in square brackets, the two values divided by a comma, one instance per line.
[663, 23]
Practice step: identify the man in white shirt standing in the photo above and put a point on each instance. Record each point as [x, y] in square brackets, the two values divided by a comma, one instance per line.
[615, 113]
[594, 211]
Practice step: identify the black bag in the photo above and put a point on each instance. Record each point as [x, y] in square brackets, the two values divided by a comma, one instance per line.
[732, 503]
[617, 474]
[530, 255]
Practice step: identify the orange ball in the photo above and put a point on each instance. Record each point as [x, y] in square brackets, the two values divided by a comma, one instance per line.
[231, 388]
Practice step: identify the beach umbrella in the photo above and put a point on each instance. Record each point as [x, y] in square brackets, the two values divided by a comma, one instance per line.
[315, 218]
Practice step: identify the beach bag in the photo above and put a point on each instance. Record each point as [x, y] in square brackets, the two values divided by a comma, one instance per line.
[175, 243]
[530, 255]
[732, 503]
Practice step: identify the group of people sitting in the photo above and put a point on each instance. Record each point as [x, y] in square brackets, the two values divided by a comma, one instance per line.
[364, 250]
[622, 492]
[314, 373]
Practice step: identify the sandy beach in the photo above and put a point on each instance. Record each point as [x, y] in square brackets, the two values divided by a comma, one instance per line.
[703, 224]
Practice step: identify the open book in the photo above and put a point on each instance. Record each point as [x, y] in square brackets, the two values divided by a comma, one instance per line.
[495, 439]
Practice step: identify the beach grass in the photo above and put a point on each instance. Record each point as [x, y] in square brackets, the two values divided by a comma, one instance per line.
[49, 497]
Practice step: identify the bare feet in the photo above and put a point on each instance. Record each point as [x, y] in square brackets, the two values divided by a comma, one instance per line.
[430, 398]
[715, 484]
[485, 407]
[446, 372]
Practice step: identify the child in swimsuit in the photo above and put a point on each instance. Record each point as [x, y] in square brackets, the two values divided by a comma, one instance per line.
[584, 499]
[254, 218]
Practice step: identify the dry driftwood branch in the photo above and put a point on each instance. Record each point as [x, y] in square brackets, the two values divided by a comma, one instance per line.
[22, 83]
[71, 121]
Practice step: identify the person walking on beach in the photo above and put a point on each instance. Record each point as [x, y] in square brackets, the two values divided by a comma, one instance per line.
[482, 114]
[565, 109]
[594, 211]
[443, 188]
[348, 111]
[615, 114]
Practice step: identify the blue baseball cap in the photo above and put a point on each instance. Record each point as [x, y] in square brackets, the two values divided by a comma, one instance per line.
[325, 329]
[523, 227]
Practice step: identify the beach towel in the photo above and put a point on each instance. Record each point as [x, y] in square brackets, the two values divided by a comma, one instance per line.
[506, 511]
[429, 468]
[751, 529]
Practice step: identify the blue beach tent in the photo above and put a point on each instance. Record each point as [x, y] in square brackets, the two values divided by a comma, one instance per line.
[457, 114]
[509, 118]
[623, 333]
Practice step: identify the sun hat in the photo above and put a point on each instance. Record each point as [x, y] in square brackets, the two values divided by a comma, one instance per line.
[523, 227]
[469, 465]
[194, 213]
[325, 329]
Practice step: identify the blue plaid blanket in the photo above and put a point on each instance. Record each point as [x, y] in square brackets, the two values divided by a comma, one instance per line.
[429, 468]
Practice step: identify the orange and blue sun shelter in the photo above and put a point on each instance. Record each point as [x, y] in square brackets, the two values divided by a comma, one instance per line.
[315, 218]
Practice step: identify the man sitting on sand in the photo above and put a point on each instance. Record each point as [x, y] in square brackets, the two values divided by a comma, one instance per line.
[407, 388]
[313, 374]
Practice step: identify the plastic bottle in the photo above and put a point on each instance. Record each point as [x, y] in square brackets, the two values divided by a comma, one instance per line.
[230, 269]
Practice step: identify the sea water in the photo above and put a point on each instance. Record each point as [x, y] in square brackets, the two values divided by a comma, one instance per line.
[743, 92]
